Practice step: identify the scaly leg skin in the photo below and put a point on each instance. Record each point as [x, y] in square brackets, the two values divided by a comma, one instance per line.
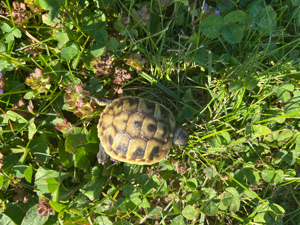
[102, 101]
[101, 156]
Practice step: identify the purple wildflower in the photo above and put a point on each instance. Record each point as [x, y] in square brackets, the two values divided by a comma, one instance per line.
[114, 160]
[1, 91]
[204, 7]
[217, 12]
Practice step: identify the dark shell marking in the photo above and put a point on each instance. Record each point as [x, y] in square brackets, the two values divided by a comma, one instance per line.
[139, 152]
[158, 130]
[151, 127]
[137, 124]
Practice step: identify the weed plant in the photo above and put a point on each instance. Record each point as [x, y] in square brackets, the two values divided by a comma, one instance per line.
[229, 72]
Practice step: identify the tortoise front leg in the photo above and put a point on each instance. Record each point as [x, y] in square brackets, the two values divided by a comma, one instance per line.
[102, 101]
[101, 156]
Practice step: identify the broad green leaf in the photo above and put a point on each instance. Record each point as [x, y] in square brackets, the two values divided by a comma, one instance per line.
[28, 174]
[209, 208]
[98, 50]
[235, 16]
[278, 176]
[92, 21]
[94, 187]
[233, 191]
[57, 206]
[209, 172]
[19, 170]
[288, 87]
[6, 28]
[162, 189]
[179, 220]
[103, 220]
[235, 205]
[132, 172]
[137, 201]
[81, 156]
[176, 207]
[17, 33]
[212, 26]
[75, 139]
[285, 135]
[225, 200]
[70, 51]
[296, 97]
[43, 173]
[257, 130]
[268, 175]
[112, 44]
[234, 86]
[147, 186]
[31, 130]
[189, 212]
[4, 219]
[63, 39]
[17, 210]
[66, 158]
[15, 86]
[101, 36]
[188, 96]
[145, 204]
[285, 96]
[268, 213]
[246, 23]
[53, 6]
[192, 183]
[122, 205]
[93, 81]
[92, 136]
[193, 198]
[211, 193]
[52, 184]
[154, 212]
[291, 157]
[15, 117]
[128, 190]
[33, 219]
[251, 83]
[39, 148]
[188, 112]
[8, 162]
[250, 194]
[252, 176]
[233, 33]
[296, 2]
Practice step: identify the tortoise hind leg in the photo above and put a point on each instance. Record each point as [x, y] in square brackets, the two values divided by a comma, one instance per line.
[101, 156]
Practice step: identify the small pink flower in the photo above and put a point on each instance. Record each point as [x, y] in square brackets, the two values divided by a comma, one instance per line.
[80, 103]
[78, 88]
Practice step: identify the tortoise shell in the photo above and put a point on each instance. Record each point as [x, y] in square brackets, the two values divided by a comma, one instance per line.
[136, 130]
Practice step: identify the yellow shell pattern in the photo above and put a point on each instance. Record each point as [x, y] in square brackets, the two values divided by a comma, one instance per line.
[136, 130]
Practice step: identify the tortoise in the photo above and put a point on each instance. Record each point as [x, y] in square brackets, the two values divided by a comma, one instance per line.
[137, 131]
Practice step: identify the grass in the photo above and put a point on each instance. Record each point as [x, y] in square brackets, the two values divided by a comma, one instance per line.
[228, 71]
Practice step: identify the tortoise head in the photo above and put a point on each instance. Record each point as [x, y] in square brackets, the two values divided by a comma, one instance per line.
[180, 136]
